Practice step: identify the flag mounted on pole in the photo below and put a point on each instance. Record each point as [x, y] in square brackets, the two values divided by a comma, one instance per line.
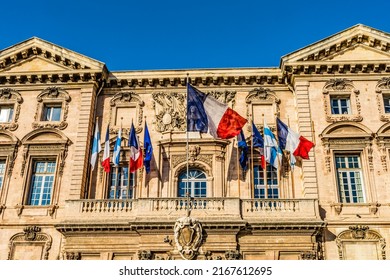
[148, 148]
[207, 114]
[258, 142]
[117, 148]
[96, 146]
[106, 153]
[291, 141]
[242, 145]
[135, 151]
[272, 152]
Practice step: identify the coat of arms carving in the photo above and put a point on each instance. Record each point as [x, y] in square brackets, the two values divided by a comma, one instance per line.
[188, 237]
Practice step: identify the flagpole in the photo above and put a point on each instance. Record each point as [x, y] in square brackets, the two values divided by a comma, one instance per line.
[238, 170]
[187, 148]
[97, 160]
[291, 169]
[128, 172]
[280, 163]
[265, 163]
[144, 167]
[252, 183]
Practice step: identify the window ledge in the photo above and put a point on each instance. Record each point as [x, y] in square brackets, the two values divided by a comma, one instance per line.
[355, 208]
[38, 210]
[50, 124]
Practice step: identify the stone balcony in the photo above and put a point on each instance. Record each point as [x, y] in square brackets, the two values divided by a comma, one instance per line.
[167, 210]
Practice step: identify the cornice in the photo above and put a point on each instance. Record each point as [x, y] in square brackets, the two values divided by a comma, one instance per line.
[78, 76]
[328, 67]
[206, 77]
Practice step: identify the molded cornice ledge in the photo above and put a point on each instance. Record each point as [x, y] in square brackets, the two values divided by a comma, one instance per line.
[199, 77]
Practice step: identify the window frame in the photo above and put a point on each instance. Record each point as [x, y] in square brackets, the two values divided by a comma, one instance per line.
[52, 97]
[51, 106]
[338, 89]
[8, 106]
[339, 98]
[46, 175]
[202, 193]
[348, 170]
[11, 98]
[259, 189]
[127, 188]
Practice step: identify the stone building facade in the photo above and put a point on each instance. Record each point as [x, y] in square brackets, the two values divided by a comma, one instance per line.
[336, 205]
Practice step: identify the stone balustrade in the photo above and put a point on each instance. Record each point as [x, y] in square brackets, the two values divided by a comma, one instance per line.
[206, 208]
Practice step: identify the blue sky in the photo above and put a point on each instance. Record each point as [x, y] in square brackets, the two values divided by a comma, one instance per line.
[147, 35]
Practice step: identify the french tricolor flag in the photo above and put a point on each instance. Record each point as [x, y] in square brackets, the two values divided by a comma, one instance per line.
[136, 159]
[291, 141]
[106, 154]
[207, 114]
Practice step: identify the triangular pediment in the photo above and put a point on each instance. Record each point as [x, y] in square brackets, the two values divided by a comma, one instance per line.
[37, 55]
[358, 43]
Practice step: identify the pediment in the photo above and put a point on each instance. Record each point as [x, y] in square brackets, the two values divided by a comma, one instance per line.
[37, 55]
[35, 64]
[358, 43]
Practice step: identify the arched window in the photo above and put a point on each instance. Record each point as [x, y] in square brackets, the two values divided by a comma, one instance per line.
[196, 183]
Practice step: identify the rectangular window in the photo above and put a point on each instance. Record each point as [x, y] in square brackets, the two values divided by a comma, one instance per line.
[386, 103]
[6, 113]
[51, 112]
[272, 182]
[120, 186]
[350, 179]
[2, 172]
[340, 105]
[42, 182]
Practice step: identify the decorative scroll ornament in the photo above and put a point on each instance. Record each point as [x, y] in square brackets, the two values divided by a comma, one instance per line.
[360, 233]
[31, 235]
[188, 234]
[170, 111]
[342, 87]
[224, 96]
[145, 255]
[383, 90]
[11, 97]
[52, 95]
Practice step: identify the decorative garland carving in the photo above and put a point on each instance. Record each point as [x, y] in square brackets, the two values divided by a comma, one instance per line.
[341, 87]
[232, 255]
[261, 96]
[178, 159]
[309, 255]
[127, 100]
[50, 95]
[31, 235]
[224, 96]
[170, 111]
[145, 255]
[382, 87]
[72, 256]
[360, 232]
[11, 97]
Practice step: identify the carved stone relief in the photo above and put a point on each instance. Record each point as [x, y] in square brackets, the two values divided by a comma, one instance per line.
[382, 89]
[343, 87]
[126, 100]
[11, 97]
[360, 233]
[52, 95]
[170, 111]
[145, 255]
[188, 237]
[31, 235]
[261, 96]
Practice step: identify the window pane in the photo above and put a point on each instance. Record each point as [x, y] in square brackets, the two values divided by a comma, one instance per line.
[272, 182]
[197, 184]
[349, 175]
[2, 172]
[120, 188]
[6, 113]
[52, 113]
[386, 103]
[42, 182]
